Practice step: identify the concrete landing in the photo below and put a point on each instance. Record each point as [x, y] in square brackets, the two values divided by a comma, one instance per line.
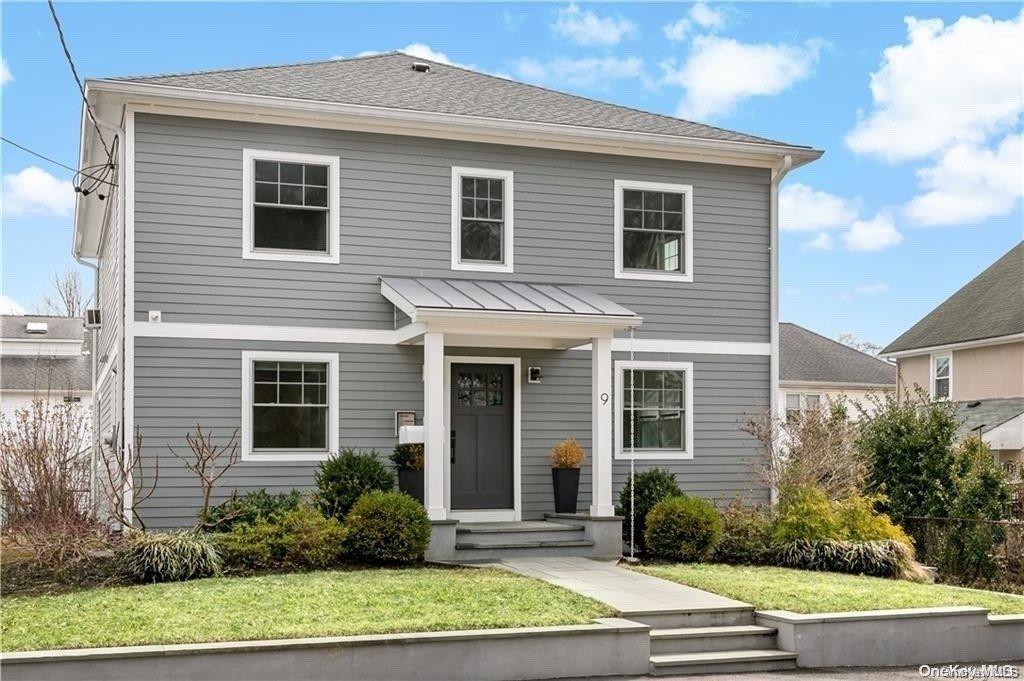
[625, 590]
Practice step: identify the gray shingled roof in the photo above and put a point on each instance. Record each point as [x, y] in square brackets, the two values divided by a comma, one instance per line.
[989, 306]
[807, 356]
[58, 328]
[987, 414]
[45, 373]
[387, 80]
[501, 296]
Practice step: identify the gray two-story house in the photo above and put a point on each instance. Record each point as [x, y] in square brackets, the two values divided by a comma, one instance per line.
[312, 253]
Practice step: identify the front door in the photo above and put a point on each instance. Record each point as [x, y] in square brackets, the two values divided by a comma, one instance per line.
[481, 433]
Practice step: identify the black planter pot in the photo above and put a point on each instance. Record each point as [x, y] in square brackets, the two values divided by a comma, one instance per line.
[411, 483]
[567, 486]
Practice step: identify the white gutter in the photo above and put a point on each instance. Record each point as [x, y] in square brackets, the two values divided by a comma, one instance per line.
[773, 370]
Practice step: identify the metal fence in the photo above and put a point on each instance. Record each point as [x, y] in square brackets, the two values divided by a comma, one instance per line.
[969, 551]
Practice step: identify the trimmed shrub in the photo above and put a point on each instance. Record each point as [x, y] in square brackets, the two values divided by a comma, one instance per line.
[872, 558]
[805, 514]
[387, 527]
[148, 557]
[341, 480]
[745, 538]
[249, 508]
[651, 487]
[301, 538]
[682, 528]
[859, 521]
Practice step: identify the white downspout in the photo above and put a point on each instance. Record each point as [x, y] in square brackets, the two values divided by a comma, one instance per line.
[777, 175]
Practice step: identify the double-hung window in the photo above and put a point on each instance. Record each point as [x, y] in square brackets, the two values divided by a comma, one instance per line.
[655, 415]
[942, 372]
[653, 231]
[290, 206]
[482, 219]
[799, 403]
[289, 406]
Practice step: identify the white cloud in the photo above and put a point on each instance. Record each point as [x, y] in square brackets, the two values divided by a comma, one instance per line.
[586, 28]
[418, 50]
[946, 85]
[5, 72]
[822, 242]
[968, 184]
[875, 234]
[719, 73]
[701, 15]
[803, 209]
[10, 306]
[33, 191]
[590, 72]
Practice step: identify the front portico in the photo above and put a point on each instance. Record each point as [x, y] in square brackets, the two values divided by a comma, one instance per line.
[497, 321]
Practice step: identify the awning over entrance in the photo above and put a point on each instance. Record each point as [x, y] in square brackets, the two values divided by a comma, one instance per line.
[500, 313]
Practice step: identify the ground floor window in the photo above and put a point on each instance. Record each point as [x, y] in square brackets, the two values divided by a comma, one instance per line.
[798, 403]
[289, 406]
[655, 416]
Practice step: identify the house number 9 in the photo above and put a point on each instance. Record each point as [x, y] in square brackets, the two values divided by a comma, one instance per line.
[604, 398]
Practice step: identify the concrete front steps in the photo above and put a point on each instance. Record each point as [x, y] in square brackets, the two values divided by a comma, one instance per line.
[711, 640]
[477, 542]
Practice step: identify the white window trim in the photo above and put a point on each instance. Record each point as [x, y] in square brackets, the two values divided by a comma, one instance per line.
[249, 252]
[508, 208]
[333, 395]
[687, 190]
[932, 377]
[621, 366]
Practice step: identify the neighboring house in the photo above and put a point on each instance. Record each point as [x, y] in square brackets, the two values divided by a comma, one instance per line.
[970, 349]
[814, 369]
[299, 252]
[43, 357]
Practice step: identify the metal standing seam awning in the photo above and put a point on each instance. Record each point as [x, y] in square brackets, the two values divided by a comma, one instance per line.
[552, 315]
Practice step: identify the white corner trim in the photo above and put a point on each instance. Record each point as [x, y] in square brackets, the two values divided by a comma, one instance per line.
[687, 190]
[333, 397]
[128, 322]
[488, 515]
[508, 229]
[641, 455]
[249, 251]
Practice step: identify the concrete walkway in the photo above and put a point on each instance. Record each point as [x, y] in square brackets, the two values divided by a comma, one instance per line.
[625, 590]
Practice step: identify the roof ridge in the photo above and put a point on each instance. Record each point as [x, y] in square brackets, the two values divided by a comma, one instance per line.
[265, 67]
[842, 345]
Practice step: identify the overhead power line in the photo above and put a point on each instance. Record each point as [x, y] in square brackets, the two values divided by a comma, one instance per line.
[62, 165]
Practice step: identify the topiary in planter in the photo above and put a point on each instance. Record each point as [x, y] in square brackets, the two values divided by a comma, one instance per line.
[651, 487]
[682, 528]
[167, 557]
[341, 480]
[387, 527]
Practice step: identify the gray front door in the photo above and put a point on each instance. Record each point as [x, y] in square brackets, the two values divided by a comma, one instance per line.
[481, 432]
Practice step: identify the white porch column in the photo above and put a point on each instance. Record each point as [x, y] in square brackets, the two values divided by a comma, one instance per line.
[434, 446]
[601, 427]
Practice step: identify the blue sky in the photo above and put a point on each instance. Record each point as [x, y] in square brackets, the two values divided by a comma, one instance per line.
[918, 107]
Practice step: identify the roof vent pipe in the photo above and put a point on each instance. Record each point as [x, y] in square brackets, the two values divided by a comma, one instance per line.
[420, 67]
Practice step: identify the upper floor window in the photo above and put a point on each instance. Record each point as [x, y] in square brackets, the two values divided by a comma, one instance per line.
[942, 370]
[290, 209]
[798, 403]
[653, 231]
[655, 419]
[482, 219]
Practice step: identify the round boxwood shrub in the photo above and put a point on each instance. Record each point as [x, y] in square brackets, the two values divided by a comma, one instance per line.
[651, 487]
[148, 557]
[387, 527]
[341, 480]
[682, 528]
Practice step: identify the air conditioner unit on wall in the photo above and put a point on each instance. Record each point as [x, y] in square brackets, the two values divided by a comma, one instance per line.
[92, 318]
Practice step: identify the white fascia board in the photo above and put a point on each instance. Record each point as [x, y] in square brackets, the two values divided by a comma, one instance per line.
[965, 345]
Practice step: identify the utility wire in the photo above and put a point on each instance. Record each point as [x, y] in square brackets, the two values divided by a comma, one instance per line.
[76, 171]
[74, 72]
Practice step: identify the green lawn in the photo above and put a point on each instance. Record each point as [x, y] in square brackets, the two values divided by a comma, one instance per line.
[289, 606]
[771, 588]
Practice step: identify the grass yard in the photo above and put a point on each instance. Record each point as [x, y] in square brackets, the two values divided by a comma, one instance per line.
[772, 588]
[337, 603]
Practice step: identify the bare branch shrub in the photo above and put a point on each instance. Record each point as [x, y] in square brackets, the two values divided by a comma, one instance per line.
[122, 465]
[818, 448]
[208, 462]
[68, 296]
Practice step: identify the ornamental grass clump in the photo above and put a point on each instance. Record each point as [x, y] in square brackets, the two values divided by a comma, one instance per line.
[148, 557]
[567, 454]
[885, 558]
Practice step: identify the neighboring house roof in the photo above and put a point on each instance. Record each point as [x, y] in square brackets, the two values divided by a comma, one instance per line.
[805, 356]
[500, 296]
[41, 373]
[990, 306]
[389, 81]
[987, 414]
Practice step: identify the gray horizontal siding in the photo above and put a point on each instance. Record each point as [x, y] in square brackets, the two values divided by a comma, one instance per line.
[395, 220]
[181, 383]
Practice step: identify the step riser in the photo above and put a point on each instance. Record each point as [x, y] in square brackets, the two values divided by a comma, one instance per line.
[708, 644]
[724, 668]
[513, 537]
[486, 555]
[724, 618]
